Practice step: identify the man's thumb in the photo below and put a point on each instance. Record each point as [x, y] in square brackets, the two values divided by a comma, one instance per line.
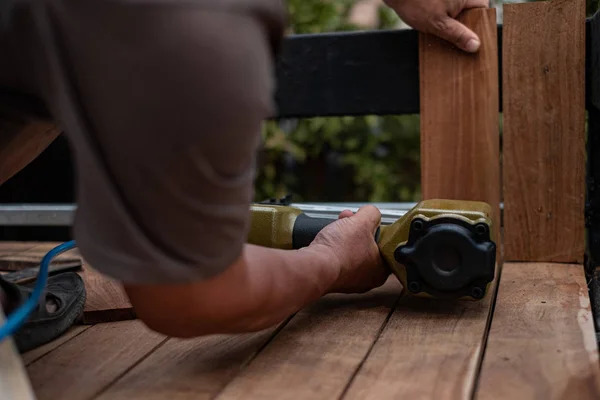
[369, 215]
[457, 34]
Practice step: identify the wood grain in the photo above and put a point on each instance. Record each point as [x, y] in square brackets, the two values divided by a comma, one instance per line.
[9, 248]
[318, 352]
[185, 369]
[544, 131]
[37, 353]
[542, 343]
[460, 157]
[18, 256]
[91, 361]
[430, 349]
[21, 142]
[106, 299]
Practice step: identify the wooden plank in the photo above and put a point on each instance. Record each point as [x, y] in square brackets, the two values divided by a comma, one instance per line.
[318, 352]
[542, 343]
[9, 248]
[91, 361]
[106, 299]
[180, 368]
[37, 353]
[30, 254]
[30, 274]
[430, 349]
[544, 131]
[21, 141]
[14, 383]
[460, 157]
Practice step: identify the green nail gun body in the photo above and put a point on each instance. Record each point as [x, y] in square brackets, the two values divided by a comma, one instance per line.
[440, 248]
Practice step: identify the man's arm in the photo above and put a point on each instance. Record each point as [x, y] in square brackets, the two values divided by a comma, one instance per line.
[264, 286]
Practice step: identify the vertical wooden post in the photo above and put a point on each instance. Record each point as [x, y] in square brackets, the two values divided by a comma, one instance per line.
[460, 156]
[544, 131]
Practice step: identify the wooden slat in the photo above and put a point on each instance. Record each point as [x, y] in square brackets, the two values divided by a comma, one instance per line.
[317, 353]
[544, 131]
[460, 142]
[91, 361]
[106, 299]
[37, 353]
[21, 142]
[11, 248]
[542, 343]
[430, 349]
[189, 369]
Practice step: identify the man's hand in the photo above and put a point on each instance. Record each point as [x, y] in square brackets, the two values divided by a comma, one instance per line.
[438, 17]
[351, 240]
[265, 286]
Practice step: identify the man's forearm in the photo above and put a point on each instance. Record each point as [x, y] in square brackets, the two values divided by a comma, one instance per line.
[259, 290]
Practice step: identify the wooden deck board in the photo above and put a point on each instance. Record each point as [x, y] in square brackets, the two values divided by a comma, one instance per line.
[541, 343]
[318, 352]
[186, 369]
[37, 353]
[430, 349]
[85, 365]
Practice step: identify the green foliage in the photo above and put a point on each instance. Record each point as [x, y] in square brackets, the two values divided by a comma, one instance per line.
[339, 159]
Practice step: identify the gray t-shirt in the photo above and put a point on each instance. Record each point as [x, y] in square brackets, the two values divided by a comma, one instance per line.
[163, 103]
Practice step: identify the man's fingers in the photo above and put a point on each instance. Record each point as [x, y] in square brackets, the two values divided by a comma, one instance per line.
[345, 214]
[477, 4]
[457, 34]
[370, 215]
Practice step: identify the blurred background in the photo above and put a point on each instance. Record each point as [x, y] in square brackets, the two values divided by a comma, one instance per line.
[347, 159]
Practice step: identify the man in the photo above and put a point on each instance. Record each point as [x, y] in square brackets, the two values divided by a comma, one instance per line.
[163, 101]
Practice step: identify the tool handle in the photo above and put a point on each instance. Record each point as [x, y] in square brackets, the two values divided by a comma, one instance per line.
[307, 228]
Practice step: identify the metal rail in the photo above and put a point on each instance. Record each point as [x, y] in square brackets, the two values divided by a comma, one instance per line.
[64, 214]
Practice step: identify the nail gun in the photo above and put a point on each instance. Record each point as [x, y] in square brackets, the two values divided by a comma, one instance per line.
[440, 248]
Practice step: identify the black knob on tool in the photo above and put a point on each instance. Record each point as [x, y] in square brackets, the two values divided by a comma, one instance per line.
[448, 257]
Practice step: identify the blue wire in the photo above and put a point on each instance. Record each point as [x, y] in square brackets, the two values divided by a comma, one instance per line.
[20, 315]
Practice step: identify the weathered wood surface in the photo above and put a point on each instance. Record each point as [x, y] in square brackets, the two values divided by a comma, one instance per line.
[544, 131]
[197, 369]
[430, 349]
[106, 299]
[317, 353]
[90, 362]
[37, 353]
[541, 344]
[460, 156]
